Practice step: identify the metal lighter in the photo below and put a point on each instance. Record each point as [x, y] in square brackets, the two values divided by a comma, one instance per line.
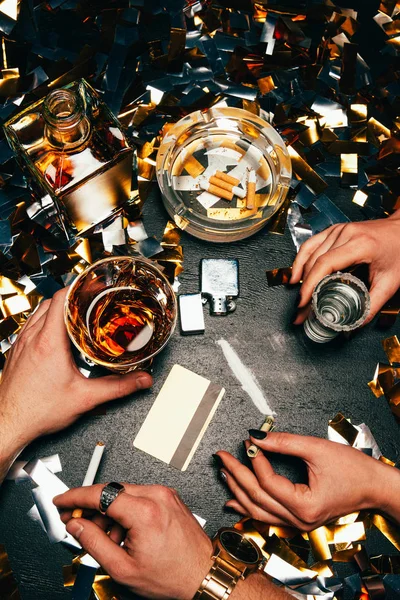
[220, 284]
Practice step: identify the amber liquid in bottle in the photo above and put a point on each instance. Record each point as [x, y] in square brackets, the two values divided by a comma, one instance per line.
[75, 151]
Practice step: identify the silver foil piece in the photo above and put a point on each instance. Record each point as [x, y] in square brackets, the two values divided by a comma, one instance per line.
[340, 303]
[49, 486]
[191, 315]
[220, 284]
[286, 573]
[299, 230]
[18, 474]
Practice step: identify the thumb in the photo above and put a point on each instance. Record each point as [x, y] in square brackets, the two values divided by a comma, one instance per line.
[99, 545]
[288, 443]
[103, 389]
[382, 289]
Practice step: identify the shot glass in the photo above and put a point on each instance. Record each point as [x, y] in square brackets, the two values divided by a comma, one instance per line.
[120, 312]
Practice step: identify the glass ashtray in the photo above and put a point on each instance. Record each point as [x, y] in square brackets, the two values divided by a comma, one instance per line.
[223, 173]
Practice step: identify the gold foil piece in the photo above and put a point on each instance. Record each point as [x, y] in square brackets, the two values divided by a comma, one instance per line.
[8, 327]
[378, 130]
[84, 251]
[344, 534]
[14, 305]
[10, 8]
[319, 543]
[391, 347]
[344, 428]
[8, 585]
[323, 569]
[8, 286]
[172, 256]
[347, 555]
[388, 529]
[277, 224]
[360, 198]
[279, 276]
[305, 173]
[349, 169]
[277, 546]
[266, 84]
[346, 519]
[192, 166]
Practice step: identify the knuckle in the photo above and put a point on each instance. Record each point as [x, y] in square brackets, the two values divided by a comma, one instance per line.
[256, 495]
[150, 511]
[165, 494]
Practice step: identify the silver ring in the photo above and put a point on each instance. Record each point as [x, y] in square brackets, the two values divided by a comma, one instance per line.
[109, 493]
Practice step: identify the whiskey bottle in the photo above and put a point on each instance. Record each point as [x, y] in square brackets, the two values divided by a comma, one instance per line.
[74, 151]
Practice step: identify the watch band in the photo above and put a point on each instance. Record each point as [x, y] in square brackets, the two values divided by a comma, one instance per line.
[219, 581]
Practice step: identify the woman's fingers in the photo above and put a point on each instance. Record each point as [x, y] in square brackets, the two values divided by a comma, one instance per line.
[382, 289]
[306, 250]
[336, 259]
[248, 482]
[235, 505]
[254, 510]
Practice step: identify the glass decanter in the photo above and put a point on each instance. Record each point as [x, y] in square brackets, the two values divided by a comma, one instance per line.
[74, 151]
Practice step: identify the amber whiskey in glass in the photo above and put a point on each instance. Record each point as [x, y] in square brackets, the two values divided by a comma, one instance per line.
[74, 152]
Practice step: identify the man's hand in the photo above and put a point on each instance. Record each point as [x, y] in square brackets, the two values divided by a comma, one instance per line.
[341, 480]
[42, 390]
[375, 243]
[166, 554]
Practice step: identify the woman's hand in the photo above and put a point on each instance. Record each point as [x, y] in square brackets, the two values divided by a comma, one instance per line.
[42, 390]
[166, 554]
[341, 480]
[375, 243]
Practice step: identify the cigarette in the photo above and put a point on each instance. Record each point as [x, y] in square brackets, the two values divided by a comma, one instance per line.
[251, 191]
[216, 191]
[91, 473]
[224, 185]
[268, 424]
[227, 178]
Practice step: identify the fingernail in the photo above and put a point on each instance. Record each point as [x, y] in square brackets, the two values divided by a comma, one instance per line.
[222, 476]
[143, 382]
[75, 528]
[258, 434]
[218, 461]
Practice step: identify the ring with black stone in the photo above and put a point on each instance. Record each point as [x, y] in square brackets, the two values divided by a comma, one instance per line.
[109, 493]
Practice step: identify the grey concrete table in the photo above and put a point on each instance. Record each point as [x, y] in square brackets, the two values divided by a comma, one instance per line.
[306, 384]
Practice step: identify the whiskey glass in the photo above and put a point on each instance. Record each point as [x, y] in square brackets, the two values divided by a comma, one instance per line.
[120, 312]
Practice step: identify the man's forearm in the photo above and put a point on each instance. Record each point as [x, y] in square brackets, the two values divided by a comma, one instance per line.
[258, 587]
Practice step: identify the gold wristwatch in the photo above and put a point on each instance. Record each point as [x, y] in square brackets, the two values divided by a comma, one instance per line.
[235, 557]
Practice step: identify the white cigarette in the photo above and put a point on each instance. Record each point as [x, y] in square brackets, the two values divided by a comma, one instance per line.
[91, 472]
[94, 464]
[239, 192]
[252, 177]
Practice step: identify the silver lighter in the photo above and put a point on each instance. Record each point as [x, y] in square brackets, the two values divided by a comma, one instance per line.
[220, 284]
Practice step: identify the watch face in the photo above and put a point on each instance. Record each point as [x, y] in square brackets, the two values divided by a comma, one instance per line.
[239, 547]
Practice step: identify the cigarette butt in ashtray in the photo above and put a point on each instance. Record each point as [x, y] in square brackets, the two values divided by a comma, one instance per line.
[227, 178]
[268, 424]
[237, 191]
[91, 473]
[251, 190]
[215, 191]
